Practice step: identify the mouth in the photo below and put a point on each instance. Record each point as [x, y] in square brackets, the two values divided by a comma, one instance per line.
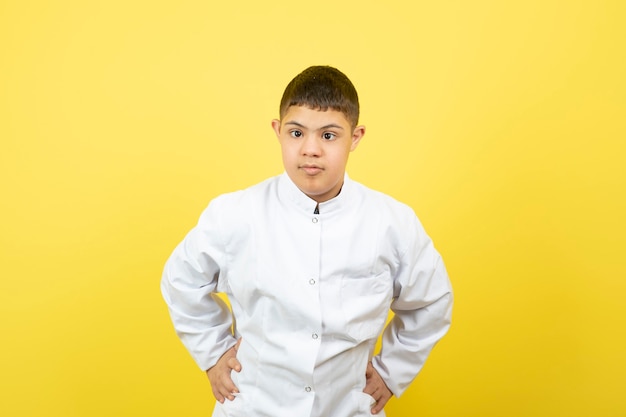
[311, 169]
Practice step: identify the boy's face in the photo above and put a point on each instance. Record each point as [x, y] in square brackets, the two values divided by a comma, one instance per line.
[315, 146]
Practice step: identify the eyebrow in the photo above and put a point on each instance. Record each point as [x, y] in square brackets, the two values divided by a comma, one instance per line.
[332, 125]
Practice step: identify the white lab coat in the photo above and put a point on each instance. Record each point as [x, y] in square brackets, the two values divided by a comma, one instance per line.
[310, 294]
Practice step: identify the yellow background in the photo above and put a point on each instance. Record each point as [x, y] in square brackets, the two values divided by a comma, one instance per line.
[501, 123]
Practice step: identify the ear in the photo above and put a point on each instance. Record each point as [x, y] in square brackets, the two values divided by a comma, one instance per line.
[357, 135]
[276, 127]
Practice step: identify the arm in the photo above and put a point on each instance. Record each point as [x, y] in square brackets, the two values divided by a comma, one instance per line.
[422, 309]
[189, 285]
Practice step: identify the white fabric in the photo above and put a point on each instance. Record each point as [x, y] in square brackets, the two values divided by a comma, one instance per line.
[310, 294]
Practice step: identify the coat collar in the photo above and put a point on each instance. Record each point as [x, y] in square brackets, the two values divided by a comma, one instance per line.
[287, 188]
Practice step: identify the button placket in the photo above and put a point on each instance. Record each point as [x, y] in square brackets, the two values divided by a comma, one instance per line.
[311, 273]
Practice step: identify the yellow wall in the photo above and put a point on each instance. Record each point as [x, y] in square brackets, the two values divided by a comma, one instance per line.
[501, 123]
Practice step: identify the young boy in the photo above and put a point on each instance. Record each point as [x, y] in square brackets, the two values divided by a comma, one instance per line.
[311, 262]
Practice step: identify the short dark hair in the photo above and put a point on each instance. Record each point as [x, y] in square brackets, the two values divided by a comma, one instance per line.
[322, 88]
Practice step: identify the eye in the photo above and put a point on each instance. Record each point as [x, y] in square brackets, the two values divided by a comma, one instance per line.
[329, 136]
[295, 133]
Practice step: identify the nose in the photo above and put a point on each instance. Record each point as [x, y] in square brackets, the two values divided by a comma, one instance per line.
[311, 146]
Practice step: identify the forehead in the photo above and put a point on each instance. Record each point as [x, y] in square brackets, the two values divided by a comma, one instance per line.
[313, 118]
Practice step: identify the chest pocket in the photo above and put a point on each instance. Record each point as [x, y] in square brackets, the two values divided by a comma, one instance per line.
[365, 304]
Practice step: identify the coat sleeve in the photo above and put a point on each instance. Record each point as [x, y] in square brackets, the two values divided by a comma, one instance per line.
[189, 285]
[422, 308]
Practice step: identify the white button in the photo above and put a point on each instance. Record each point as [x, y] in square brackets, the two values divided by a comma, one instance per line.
[312, 281]
[314, 219]
[307, 389]
[314, 336]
